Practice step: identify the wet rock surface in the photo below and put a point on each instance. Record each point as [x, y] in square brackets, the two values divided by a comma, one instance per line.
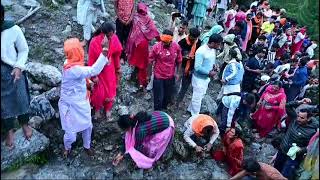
[45, 74]
[22, 148]
[45, 32]
[41, 106]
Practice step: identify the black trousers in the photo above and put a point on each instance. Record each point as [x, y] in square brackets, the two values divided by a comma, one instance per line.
[185, 83]
[122, 32]
[8, 124]
[200, 141]
[163, 90]
[189, 9]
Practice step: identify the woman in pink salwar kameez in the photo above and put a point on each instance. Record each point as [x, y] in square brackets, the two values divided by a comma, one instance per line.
[147, 137]
[271, 108]
[74, 106]
[105, 87]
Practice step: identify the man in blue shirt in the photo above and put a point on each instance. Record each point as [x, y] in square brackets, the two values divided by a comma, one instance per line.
[299, 79]
[253, 68]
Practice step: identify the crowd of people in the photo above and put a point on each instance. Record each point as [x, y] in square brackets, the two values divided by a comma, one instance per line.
[263, 60]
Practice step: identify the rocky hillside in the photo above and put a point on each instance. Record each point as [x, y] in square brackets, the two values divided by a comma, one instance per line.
[41, 158]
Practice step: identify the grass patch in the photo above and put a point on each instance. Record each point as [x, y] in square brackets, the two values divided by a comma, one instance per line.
[38, 159]
[8, 8]
[38, 50]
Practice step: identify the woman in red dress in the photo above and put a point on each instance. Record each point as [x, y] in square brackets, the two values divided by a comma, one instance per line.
[232, 153]
[234, 147]
[105, 84]
[271, 108]
[137, 48]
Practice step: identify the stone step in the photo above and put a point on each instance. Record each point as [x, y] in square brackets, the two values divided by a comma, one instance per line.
[23, 148]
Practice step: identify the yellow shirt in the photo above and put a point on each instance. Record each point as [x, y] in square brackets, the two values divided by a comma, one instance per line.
[267, 27]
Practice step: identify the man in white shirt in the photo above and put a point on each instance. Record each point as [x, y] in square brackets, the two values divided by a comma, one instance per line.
[231, 103]
[15, 97]
[202, 131]
[204, 68]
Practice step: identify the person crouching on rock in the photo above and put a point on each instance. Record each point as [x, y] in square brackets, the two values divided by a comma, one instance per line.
[147, 137]
[74, 106]
[202, 131]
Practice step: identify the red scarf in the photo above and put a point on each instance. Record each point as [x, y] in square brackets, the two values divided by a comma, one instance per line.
[124, 10]
[143, 28]
[191, 55]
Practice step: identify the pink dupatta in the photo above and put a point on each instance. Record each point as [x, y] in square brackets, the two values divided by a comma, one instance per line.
[143, 28]
[156, 145]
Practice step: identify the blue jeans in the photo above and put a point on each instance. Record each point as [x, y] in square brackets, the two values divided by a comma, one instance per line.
[181, 6]
[286, 165]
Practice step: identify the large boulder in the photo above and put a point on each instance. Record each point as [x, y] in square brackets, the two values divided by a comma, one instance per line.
[23, 148]
[57, 170]
[204, 170]
[208, 104]
[261, 152]
[36, 122]
[180, 149]
[53, 94]
[45, 74]
[40, 106]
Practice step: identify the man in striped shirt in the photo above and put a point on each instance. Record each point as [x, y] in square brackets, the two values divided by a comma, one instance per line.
[301, 129]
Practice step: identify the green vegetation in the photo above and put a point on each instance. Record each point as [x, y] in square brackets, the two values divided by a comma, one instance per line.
[8, 8]
[39, 159]
[306, 12]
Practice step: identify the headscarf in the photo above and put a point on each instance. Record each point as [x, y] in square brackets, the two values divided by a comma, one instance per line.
[283, 11]
[143, 28]
[74, 53]
[216, 29]
[166, 38]
[229, 38]
[74, 56]
[7, 25]
[191, 54]
[201, 122]
[265, 78]
[124, 10]
[283, 21]
[303, 30]
[240, 16]
[270, 90]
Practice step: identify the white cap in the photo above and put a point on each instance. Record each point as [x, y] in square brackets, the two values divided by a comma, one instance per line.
[265, 78]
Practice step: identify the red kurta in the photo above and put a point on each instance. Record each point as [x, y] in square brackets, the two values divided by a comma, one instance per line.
[139, 59]
[266, 119]
[104, 91]
[233, 154]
